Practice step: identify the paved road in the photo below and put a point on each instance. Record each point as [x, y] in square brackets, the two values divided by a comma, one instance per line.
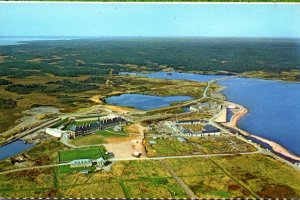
[130, 158]
[185, 156]
[34, 167]
[240, 183]
[44, 124]
[186, 188]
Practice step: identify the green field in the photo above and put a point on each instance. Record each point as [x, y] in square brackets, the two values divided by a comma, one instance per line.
[84, 153]
[100, 137]
[197, 145]
[92, 139]
[68, 169]
[111, 133]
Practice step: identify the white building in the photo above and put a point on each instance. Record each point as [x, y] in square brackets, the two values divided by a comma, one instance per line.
[81, 163]
[232, 106]
[55, 132]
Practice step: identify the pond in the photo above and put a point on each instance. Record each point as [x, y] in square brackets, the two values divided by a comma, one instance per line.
[145, 102]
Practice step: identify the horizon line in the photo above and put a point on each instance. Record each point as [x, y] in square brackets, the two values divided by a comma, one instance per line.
[115, 36]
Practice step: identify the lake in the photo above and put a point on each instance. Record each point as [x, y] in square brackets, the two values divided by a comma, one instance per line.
[183, 76]
[13, 148]
[145, 102]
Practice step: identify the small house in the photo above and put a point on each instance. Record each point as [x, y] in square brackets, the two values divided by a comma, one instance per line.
[181, 139]
[151, 142]
[100, 162]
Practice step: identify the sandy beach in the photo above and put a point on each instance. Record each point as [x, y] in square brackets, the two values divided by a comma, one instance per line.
[275, 146]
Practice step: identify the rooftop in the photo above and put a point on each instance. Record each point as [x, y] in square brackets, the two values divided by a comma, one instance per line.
[210, 129]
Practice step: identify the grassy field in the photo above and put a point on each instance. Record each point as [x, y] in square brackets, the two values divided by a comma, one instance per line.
[126, 179]
[197, 145]
[112, 133]
[238, 176]
[98, 138]
[83, 153]
[263, 175]
[221, 144]
[68, 169]
[28, 183]
[88, 140]
[169, 147]
[216, 177]
[215, 186]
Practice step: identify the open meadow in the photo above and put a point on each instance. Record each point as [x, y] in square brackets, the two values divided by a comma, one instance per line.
[216, 177]
[100, 137]
[171, 146]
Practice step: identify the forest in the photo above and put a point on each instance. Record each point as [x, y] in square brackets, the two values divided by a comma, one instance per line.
[71, 58]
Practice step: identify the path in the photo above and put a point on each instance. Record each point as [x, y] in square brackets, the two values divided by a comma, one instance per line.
[44, 124]
[128, 159]
[184, 156]
[34, 167]
[187, 190]
[235, 179]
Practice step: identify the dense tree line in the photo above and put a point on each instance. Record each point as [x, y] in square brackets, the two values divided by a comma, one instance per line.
[71, 86]
[25, 88]
[98, 56]
[7, 103]
[5, 82]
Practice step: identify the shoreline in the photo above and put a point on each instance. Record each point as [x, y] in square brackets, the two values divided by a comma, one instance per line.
[277, 148]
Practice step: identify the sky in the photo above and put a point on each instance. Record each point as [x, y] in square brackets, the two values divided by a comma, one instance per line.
[149, 20]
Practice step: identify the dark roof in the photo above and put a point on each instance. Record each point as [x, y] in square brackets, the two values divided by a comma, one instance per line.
[95, 125]
[210, 129]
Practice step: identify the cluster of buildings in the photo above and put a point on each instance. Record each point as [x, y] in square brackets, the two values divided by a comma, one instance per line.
[205, 106]
[191, 122]
[175, 128]
[102, 122]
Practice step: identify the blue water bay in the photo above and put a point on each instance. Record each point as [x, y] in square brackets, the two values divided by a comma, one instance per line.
[274, 109]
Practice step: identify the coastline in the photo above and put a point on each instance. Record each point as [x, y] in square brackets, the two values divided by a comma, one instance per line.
[275, 146]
